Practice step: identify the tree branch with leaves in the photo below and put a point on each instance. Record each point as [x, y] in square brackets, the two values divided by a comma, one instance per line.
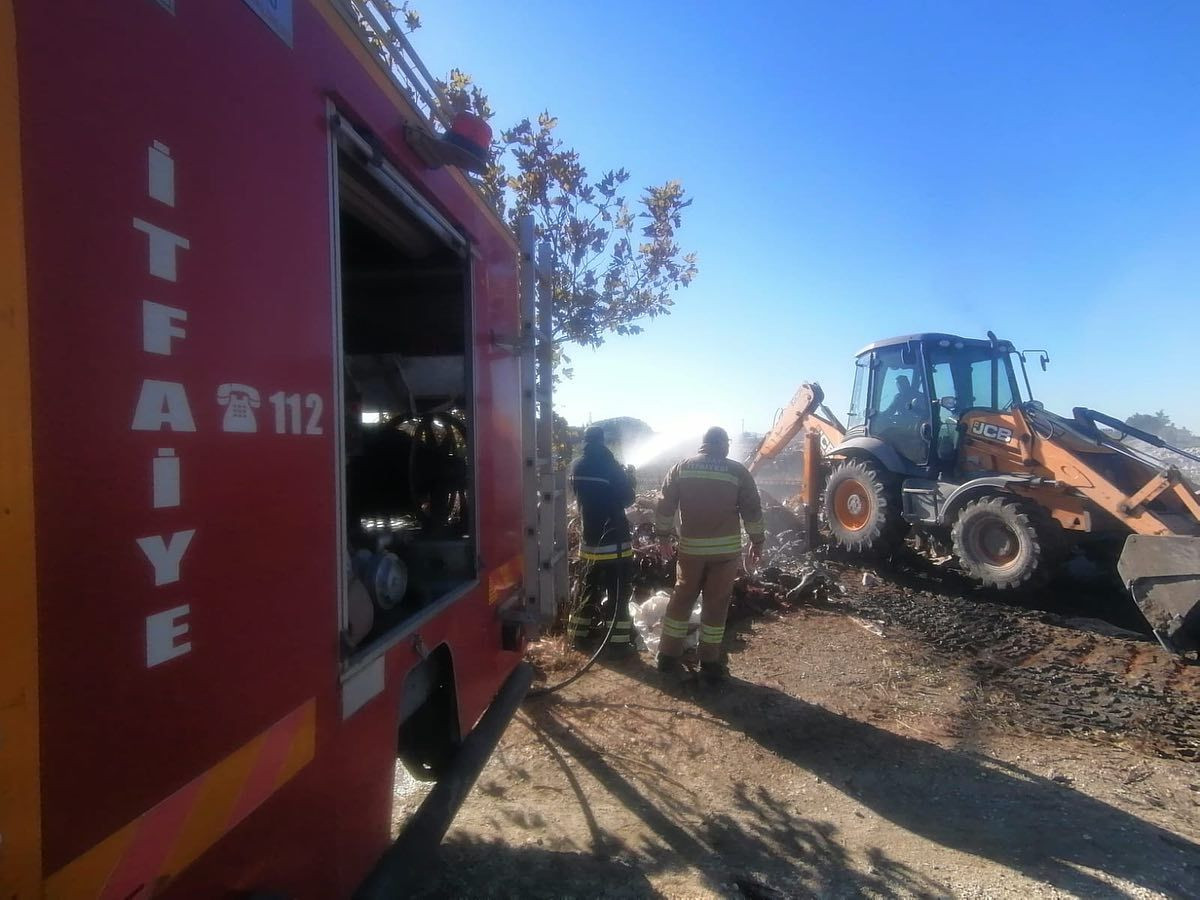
[618, 262]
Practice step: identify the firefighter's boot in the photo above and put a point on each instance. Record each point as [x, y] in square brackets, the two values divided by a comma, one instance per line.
[621, 642]
[714, 674]
[668, 665]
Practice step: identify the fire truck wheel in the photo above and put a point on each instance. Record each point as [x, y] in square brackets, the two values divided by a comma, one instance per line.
[862, 506]
[427, 743]
[429, 737]
[998, 542]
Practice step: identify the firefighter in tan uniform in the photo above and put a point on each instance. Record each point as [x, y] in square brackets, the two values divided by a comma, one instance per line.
[715, 498]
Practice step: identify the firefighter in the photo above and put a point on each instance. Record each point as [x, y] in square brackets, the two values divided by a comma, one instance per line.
[711, 493]
[603, 489]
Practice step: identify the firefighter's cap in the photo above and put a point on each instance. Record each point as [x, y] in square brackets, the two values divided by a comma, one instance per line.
[593, 434]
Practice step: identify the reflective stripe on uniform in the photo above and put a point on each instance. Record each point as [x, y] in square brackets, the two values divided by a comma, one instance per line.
[664, 524]
[727, 477]
[756, 528]
[599, 557]
[594, 478]
[712, 634]
[606, 551]
[713, 541]
[674, 627]
[709, 551]
[619, 639]
[605, 548]
[710, 546]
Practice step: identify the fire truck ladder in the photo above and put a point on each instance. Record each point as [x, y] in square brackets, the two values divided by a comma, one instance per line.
[381, 33]
[545, 482]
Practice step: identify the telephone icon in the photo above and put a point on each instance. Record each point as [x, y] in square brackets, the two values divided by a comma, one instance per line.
[240, 401]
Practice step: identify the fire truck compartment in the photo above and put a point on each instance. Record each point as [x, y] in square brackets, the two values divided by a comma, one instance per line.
[407, 449]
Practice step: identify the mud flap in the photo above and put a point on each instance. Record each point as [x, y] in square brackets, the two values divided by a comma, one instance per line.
[1163, 575]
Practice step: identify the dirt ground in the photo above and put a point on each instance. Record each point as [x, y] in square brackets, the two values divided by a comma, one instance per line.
[903, 740]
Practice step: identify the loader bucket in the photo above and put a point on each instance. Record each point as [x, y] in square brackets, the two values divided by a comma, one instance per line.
[1163, 575]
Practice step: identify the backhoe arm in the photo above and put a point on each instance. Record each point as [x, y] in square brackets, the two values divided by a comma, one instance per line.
[797, 416]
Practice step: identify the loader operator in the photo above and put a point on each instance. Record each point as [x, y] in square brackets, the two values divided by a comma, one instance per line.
[908, 399]
[711, 493]
[603, 489]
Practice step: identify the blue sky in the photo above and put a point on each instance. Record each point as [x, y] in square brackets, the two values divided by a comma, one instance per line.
[862, 170]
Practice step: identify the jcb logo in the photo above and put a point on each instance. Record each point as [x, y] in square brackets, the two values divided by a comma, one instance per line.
[992, 432]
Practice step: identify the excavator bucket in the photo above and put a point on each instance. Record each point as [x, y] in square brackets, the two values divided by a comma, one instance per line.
[1163, 575]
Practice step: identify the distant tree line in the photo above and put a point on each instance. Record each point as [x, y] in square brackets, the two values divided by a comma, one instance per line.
[1160, 424]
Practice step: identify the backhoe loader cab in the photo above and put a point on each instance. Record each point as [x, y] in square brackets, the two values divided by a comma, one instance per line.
[910, 393]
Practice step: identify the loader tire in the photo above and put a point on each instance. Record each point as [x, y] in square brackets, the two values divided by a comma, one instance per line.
[999, 543]
[862, 507]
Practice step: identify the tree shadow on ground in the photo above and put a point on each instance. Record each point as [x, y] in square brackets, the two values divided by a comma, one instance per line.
[781, 854]
[492, 868]
[973, 804]
[759, 843]
[761, 848]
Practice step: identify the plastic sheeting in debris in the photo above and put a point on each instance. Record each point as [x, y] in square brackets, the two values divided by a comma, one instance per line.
[647, 620]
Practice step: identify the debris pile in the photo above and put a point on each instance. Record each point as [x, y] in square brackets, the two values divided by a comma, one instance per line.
[1189, 467]
[790, 575]
[1041, 672]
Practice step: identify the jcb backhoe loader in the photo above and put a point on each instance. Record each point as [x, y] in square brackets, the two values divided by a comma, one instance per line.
[939, 439]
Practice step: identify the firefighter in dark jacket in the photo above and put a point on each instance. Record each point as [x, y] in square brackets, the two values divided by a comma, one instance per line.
[603, 489]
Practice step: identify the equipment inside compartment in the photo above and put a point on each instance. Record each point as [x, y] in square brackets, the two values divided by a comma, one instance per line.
[408, 452]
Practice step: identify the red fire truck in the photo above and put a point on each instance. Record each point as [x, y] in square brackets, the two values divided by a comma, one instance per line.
[270, 471]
